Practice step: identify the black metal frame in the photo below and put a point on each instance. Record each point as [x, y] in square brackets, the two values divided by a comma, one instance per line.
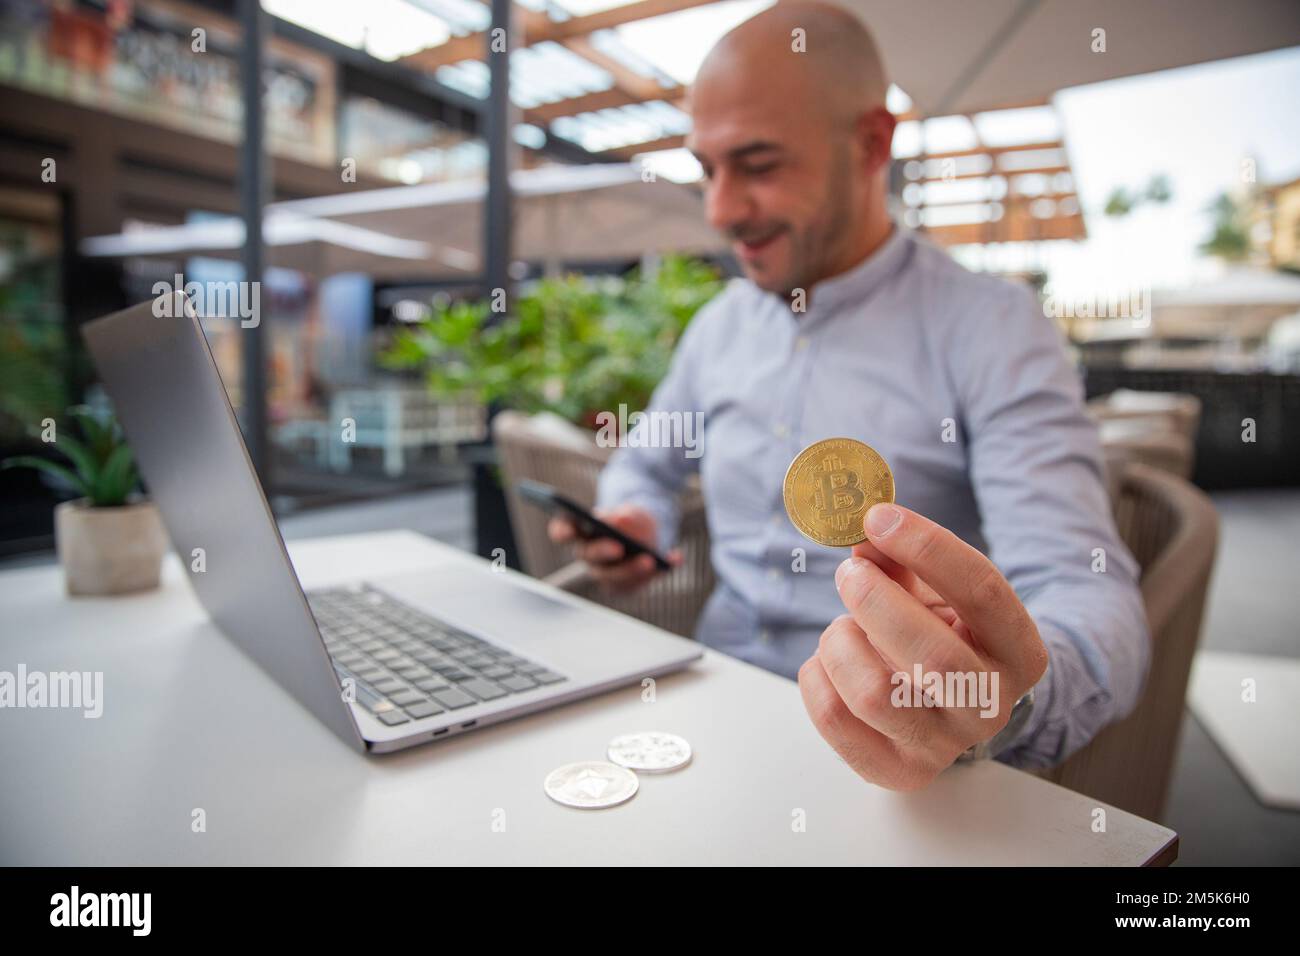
[253, 180]
[497, 209]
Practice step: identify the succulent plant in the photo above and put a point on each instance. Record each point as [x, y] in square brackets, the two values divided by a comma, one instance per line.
[100, 465]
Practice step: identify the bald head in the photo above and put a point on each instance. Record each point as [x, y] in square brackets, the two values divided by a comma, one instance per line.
[818, 51]
[790, 127]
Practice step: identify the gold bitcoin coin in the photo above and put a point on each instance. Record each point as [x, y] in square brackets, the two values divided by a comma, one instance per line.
[830, 485]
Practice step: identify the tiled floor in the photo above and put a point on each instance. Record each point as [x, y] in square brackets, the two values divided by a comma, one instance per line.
[1254, 608]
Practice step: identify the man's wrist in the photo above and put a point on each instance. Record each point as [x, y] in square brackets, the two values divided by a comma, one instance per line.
[1005, 737]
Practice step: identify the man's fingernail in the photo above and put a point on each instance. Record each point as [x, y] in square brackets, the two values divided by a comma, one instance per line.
[882, 519]
[847, 566]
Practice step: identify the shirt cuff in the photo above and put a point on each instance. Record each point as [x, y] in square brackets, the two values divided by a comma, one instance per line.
[1055, 727]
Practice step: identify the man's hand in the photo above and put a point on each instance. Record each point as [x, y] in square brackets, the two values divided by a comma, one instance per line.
[605, 556]
[916, 594]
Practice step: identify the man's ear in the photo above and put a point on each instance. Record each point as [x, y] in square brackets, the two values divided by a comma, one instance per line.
[875, 132]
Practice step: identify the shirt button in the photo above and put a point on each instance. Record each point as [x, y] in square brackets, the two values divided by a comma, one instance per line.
[779, 429]
[773, 573]
[776, 520]
[765, 636]
[801, 343]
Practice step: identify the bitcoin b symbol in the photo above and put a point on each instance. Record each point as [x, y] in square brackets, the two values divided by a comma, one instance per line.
[840, 494]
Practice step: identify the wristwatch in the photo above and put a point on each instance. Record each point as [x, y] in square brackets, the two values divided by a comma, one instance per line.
[1004, 737]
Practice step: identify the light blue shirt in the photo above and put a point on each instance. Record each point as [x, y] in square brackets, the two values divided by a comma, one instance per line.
[963, 386]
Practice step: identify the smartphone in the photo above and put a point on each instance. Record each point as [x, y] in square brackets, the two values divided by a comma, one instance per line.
[587, 524]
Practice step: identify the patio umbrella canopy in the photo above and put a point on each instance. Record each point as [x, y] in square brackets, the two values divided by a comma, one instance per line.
[1243, 302]
[955, 56]
[602, 212]
[314, 246]
[599, 212]
[1237, 286]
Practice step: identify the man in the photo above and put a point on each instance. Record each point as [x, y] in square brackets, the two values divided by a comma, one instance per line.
[847, 325]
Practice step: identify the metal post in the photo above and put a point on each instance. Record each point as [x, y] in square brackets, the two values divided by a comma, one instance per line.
[253, 180]
[492, 532]
[496, 222]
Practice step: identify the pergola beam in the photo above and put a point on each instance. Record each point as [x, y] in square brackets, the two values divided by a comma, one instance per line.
[1020, 229]
[652, 146]
[609, 99]
[626, 79]
[989, 174]
[988, 151]
[1009, 200]
[540, 28]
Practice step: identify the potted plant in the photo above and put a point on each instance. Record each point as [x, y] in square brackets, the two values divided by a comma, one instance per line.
[110, 540]
[572, 346]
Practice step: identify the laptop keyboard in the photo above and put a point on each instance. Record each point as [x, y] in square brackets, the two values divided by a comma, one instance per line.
[407, 665]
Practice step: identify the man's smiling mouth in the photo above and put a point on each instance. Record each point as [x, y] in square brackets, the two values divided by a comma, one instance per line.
[750, 247]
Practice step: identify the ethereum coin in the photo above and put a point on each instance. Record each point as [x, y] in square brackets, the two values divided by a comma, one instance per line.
[650, 751]
[591, 785]
[831, 485]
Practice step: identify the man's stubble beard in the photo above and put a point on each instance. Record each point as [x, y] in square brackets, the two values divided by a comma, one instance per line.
[815, 251]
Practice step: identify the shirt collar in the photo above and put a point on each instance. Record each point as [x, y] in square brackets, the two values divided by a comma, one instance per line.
[864, 278]
[859, 282]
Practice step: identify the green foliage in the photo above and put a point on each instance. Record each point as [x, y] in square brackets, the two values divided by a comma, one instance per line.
[102, 467]
[33, 353]
[1159, 189]
[1121, 202]
[1230, 235]
[573, 346]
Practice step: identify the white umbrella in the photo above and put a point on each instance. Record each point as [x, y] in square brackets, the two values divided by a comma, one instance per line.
[596, 212]
[1243, 302]
[317, 246]
[1237, 286]
[959, 56]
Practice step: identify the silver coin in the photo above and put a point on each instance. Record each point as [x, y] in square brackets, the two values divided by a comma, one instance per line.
[591, 785]
[650, 751]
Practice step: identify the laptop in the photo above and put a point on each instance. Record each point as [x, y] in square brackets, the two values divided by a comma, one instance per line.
[386, 662]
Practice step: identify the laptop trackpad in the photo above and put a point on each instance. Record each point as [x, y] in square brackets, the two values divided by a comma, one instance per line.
[483, 601]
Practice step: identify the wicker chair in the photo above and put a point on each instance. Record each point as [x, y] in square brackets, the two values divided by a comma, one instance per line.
[568, 458]
[1172, 530]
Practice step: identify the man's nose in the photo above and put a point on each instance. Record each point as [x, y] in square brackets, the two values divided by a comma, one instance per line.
[726, 204]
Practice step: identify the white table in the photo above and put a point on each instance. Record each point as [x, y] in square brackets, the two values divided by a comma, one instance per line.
[189, 722]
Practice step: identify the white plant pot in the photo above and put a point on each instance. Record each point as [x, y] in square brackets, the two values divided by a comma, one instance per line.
[109, 550]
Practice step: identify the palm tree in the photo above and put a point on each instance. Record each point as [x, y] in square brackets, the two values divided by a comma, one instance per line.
[1230, 239]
